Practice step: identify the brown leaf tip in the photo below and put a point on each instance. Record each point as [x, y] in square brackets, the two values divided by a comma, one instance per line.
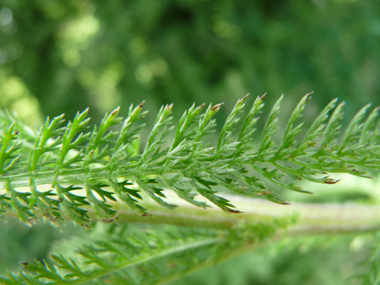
[24, 264]
[245, 97]
[309, 95]
[263, 96]
[114, 112]
[110, 220]
[331, 181]
[216, 106]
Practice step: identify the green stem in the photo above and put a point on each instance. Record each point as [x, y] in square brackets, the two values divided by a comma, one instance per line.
[312, 219]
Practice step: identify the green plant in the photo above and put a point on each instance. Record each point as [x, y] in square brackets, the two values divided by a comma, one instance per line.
[101, 176]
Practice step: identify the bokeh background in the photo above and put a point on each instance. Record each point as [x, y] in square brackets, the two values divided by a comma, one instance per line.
[61, 56]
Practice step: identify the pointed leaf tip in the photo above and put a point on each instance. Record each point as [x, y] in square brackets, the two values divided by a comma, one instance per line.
[234, 211]
[24, 264]
[245, 97]
[331, 181]
[217, 106]
[308, 95]
[142, 104]
[115, 112]
[110, 220]
[263, 96]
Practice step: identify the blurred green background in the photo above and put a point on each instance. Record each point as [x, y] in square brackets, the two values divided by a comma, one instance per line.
[61, 56]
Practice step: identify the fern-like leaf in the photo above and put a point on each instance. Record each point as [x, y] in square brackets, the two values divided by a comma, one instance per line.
[143, 256]
[106, 165]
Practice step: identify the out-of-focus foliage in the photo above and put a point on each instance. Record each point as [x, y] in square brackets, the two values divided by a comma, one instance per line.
[22, 243]
[70, 54]
[291, 262]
